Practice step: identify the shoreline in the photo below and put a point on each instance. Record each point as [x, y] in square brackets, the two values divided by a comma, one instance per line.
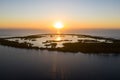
[89, 48]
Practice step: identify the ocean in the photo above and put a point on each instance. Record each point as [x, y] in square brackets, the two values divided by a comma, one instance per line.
[112, 33]
[23, 64]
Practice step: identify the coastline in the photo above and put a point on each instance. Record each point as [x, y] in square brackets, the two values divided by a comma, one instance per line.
[75, 47]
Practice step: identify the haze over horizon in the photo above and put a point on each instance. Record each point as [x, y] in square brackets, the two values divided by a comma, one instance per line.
[74, 14]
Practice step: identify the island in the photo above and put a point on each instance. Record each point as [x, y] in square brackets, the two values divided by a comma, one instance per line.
[65, 43]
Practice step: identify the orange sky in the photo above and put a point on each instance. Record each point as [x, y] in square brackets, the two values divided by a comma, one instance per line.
[74, 14]
[39, 24]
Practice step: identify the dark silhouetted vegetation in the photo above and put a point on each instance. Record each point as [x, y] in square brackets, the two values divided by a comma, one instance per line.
[16, 44]
[92, 47]
[85, 46]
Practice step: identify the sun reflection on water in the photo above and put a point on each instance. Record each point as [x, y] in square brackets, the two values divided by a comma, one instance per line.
[58, 38]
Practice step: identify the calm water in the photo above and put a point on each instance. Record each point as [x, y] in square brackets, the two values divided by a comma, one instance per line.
[21, 64]
[114, 33]
[46, 40]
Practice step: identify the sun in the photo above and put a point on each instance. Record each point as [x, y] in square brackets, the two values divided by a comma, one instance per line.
[58, 25]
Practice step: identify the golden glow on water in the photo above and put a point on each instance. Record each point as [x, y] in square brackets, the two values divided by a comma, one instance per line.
[58, 32]
[58, 38]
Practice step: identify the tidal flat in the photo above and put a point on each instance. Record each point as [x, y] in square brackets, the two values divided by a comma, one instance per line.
[65, 43]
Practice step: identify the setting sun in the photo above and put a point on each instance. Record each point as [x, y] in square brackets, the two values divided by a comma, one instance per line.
[58, 25]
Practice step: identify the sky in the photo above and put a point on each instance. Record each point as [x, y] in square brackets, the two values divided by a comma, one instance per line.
[74, 14]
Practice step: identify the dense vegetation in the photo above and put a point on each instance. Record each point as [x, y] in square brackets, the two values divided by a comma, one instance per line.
[96, 47]
[92, 47]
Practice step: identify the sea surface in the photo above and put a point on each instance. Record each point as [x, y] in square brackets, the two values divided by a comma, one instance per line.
[113, 33]
[23, 64]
